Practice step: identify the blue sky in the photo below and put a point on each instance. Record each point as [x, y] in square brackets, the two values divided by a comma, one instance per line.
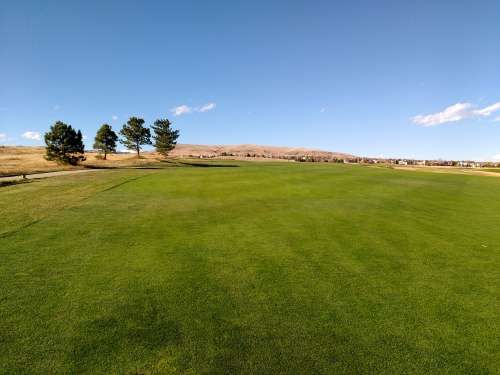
[375, 78]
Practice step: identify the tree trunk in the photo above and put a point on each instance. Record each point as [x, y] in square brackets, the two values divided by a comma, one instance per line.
[104, 154]
[138, 156]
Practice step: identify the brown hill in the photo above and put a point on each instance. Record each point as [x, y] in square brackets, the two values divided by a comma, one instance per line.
[248, 150]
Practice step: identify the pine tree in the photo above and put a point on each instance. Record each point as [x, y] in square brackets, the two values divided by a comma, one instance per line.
[135, 134]
[105, 140]
[165, 138]
[64, 144]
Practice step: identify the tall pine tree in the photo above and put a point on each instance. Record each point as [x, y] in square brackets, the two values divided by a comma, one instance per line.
[165, 138]
[105, 140]
[64, 144]
[135, 134]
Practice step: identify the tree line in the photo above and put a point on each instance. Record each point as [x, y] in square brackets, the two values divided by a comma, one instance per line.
[65, 144]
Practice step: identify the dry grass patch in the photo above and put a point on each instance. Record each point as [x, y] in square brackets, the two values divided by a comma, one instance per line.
[16, 160]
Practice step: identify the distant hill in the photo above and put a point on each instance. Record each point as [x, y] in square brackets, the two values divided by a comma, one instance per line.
[249, 150]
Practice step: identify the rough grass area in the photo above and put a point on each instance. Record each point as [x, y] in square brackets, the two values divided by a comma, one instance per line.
[252, 268]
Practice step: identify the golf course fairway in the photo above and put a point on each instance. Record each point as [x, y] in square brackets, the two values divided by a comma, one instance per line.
[251, 268]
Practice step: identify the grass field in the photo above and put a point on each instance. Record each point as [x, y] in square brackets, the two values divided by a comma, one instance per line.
[253, 268]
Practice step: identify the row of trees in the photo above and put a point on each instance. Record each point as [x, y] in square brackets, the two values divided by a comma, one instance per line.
[65, 144]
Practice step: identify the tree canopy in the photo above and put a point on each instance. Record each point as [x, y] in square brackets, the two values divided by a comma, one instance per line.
[64, 144]
[165, 138]
[135, 134]
[105, 140]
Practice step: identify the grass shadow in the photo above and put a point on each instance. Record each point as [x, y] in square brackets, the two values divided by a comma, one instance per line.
[138, 329]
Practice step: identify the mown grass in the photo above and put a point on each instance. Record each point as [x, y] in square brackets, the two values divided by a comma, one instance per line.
[256, 268]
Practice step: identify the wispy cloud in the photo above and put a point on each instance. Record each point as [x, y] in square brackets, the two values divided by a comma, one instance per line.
[4, 138]
[322, 110]
[34, 136]
[455, 112]
[181, 110]
[207, 107]
[114, 117]
[497, 118]
[184, 109]
[489, 110]
[57, 107]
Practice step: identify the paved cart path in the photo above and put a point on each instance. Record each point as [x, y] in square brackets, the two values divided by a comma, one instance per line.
[46, 175]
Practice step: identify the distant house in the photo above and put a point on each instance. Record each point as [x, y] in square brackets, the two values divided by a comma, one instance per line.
[468, 164]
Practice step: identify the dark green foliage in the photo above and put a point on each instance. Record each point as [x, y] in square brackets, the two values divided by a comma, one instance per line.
[135, 134]
[64, 144]
[165, 138]
[105, 140]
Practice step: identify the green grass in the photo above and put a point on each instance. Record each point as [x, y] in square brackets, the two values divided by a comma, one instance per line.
[258, 269]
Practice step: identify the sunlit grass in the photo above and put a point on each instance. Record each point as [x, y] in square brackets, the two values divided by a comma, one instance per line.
[251, 268]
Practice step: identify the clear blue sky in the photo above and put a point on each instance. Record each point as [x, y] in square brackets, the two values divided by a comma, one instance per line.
[337, 75]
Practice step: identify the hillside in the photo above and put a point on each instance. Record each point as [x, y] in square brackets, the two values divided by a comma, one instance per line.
[249, 150]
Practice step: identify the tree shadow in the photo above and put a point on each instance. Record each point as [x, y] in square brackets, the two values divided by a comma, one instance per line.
[14, 182]
[207, 165]
[100, 167]
[121, 167]
[166, 164]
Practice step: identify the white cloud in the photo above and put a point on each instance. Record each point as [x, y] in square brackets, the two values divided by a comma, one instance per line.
[114, 117]
[84, 137]
[34, 136]
[207, 107]
[497, 118]
[181, 110]
[455, 112]
[3, 136]
[488, 110]
[496, 157]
